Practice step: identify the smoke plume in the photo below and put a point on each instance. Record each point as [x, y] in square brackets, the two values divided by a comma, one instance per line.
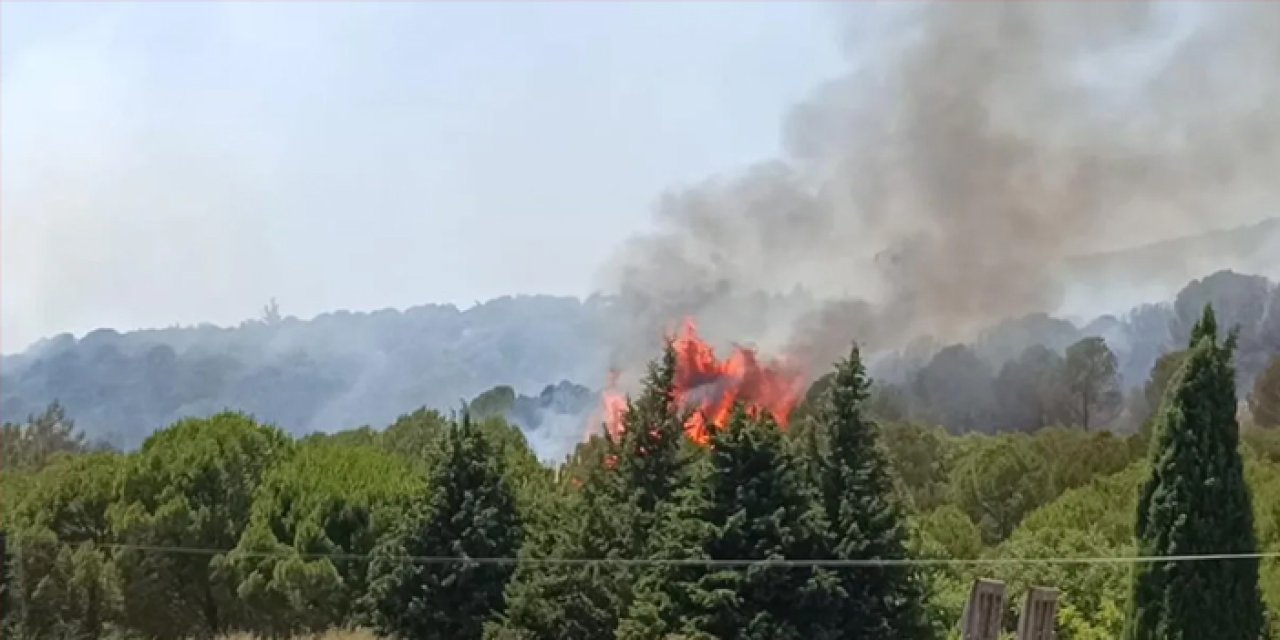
[968, 152]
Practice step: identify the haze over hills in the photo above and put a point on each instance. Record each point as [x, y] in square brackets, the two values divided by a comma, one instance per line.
[344, 369]
[1249, 248]
[1114, 280]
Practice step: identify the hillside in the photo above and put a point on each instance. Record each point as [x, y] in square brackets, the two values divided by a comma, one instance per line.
[343, 369]
[337, 370]
[1249, 249]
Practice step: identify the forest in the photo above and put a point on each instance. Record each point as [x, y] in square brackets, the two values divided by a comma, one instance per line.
[447, 525]
[342, 370]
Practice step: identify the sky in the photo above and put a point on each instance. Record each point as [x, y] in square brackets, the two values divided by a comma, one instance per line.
[177, 163]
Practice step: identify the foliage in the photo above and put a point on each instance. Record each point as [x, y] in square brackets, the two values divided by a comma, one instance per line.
[1241, 302]
[999, 483]
[494, 403]
[65, 585]
[955, 389]
[749, 502]
[1157, 384]
[569, 601]
[1031, 390]
[623, 488]
[191, 486]
[1093, 381]
[297, 515]
[326, 499]
[33, 444]
[467, 512]
[1195, 501]
[921, 461]
[1092, 521]
[1264, 402]
[864, 519]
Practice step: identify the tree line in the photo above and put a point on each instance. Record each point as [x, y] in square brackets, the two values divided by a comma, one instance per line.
[223, 524]
[343, 369]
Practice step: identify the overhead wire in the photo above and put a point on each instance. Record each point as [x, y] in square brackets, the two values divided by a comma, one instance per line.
[694, 562]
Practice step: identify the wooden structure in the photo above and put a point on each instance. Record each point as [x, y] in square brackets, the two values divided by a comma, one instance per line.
[984, 611]
[1039, 615]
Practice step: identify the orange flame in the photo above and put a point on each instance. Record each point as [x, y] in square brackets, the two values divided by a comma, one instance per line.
[709, 387]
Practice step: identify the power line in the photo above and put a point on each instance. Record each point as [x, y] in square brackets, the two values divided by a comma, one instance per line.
[700, 562]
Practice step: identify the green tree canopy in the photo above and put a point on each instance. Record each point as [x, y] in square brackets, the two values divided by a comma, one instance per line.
[1154, 389]
[494, 403]
[1195, 501]
[749, 501]
[33, 444]
[955, 390]
[1031, 391]
[1264, 402]
[997, 482]
[467, 512]
[325, 499]
[1093, 382]
[864, 520]
[66, 585]
[620, 489]
[191, 486]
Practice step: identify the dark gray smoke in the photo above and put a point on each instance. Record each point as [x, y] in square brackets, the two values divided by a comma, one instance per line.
[968, 153]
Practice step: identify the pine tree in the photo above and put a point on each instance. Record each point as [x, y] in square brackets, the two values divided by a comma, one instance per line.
[748, 502]
[1195, 501]
[614, 513]
[649, 460]
[570, 602]
[469, 512]
[865, 521]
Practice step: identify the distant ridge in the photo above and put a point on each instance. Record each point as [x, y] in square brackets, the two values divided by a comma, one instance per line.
[1253, 248]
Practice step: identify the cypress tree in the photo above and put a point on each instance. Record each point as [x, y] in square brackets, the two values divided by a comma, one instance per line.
[469, 512]
[865, 522]
[1195, 501]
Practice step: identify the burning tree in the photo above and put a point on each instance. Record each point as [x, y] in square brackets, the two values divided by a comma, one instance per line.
[706, 388]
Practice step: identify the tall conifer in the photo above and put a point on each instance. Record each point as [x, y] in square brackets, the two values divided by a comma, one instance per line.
[1195, 502]
[614, 514]
[864, 519]
[468, 512]
[749, 503]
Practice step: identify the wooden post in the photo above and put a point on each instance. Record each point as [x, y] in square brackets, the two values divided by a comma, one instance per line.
[1039, 620]
[984, 611]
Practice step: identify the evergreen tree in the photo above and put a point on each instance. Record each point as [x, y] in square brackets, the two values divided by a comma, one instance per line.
[865, 522]
[748, 502]
[191, 486]
[1093, 381]
[615, 509]
[469, 512]
[569, 601]
[1195, 501]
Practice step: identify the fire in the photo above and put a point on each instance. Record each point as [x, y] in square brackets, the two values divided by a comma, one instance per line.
[710, 387]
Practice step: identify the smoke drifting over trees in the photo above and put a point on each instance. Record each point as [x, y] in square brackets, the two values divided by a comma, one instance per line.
[973, 165]
[971, 152]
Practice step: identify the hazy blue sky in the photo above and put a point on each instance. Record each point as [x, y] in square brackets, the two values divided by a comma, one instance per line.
[184, 162]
